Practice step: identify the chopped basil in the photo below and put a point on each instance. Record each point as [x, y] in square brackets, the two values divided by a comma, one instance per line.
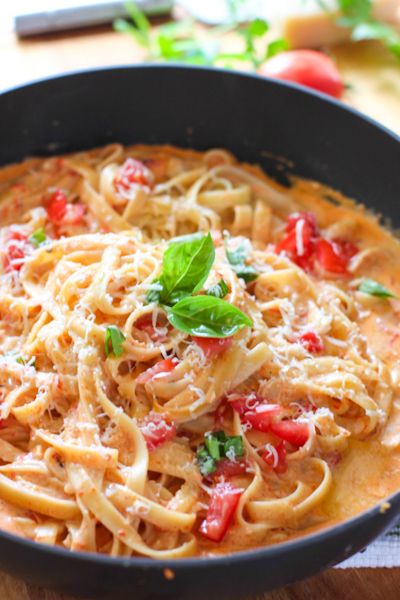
[186, 265]
[113, 341]
[38, 237]
[219, 290]
[373, 288]
[218, 445]
[233, 447]
[207, 316]
[26, 361]
[237, 258]
[207, 464]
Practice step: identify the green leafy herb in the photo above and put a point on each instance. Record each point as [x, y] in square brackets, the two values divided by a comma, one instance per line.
[186, 265]
[207, 464]
[113, 341]
[218, 445]
[237, 259]
[373, 288]
[38, 237]
[180, 42]
[357, 15]
[275, 47]
[26, 361]
[219, 290]
[207, 316]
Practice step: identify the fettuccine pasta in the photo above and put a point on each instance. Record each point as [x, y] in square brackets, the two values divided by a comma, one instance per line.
[194, 359]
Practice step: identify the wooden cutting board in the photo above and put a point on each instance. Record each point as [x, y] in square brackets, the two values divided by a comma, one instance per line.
[373, 77]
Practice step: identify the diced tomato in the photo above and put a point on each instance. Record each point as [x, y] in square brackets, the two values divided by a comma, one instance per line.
[291, 431]
[145, 323]
[254, 410]
[16, 234]
[345, 248]
[306, 67]
[230, 468]
[223, 503]
[312, 342]
[299, 243]
[133, 172]
[156, 430]
[57, 206]
[278, 462]
[331, 257]
[212, 347]
[158, 370]
[74, 214]
[308, 217]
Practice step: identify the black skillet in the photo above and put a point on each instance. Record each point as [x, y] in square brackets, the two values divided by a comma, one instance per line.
[259, 121]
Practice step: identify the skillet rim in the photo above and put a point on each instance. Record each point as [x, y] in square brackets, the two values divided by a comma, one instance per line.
[243, 556]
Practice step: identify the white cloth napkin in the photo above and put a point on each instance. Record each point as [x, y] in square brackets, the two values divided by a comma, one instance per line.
[384, 552]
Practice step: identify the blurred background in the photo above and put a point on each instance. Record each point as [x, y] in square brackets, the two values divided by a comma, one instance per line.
[349, 49]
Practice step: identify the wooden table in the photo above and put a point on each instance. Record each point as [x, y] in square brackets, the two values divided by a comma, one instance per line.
[374, 79]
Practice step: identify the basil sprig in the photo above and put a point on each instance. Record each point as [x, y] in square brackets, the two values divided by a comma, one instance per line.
[186, 265]
[218, 445]
[219, 290]
[207, 316]
[373, 288]
[113, 341]
[237, 258]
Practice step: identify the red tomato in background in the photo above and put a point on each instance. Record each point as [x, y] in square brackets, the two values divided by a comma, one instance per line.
[307, 67]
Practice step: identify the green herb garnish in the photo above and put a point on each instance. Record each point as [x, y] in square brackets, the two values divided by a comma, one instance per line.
[26, 361]
[207, 316]
[218, 445]
[186, 265]
[219, 290]
[113, 341]
[38, 237]
[237, 258]
[373, 288]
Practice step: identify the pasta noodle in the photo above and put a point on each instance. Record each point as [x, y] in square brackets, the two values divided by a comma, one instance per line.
[167, 393]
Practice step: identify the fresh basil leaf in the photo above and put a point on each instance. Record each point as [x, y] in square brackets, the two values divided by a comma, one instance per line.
[373, 288]
[275, 47]
[38, 237]
[258, 27]
[153, 294]
[207, 464]
[186, 266]
[113, 341]
[233, 447]
[207, 316]
[246, 272]
[219, 290]
[237, 259]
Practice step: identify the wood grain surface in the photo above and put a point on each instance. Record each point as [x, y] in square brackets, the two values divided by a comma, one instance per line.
[374, 79]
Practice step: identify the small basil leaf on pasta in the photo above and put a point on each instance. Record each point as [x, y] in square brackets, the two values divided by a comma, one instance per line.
[207, 316]
[153, 295]
[38, 237]
[219, 290]
[237, 258]
[31, 362]
[113, 341]
[373, 288]
[186, 266]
